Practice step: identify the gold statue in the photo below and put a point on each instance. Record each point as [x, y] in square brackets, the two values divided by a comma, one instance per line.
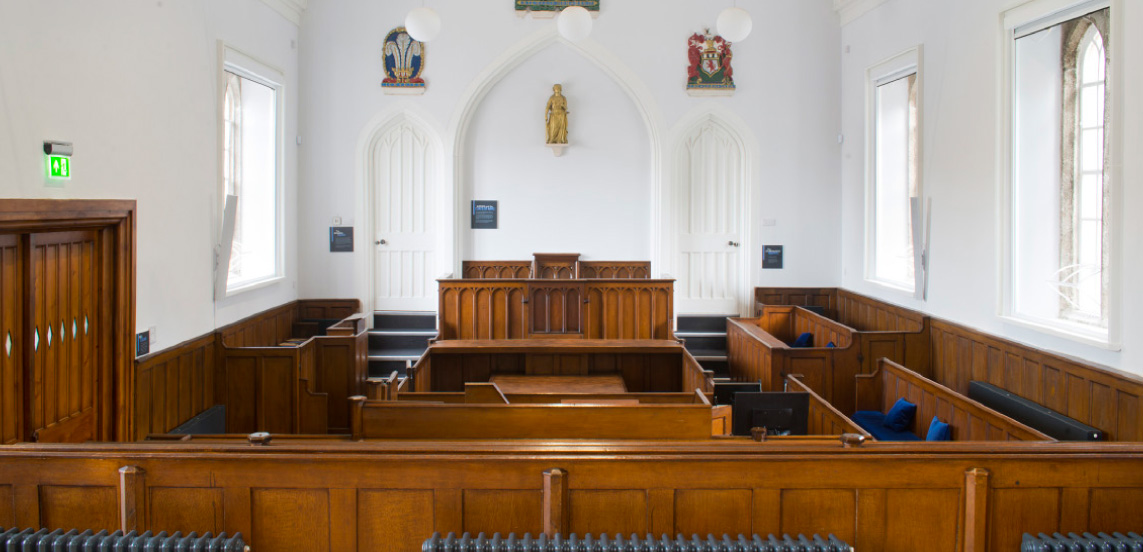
[556, 117]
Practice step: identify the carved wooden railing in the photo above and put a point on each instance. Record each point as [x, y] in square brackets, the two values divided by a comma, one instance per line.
[588, 309]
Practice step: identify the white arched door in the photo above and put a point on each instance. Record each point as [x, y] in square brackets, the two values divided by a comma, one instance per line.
[404, 243]
[710, 221]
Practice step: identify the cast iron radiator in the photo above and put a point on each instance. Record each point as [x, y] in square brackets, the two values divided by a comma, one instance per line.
[43, 540]
[1115, 542]
[634, 543]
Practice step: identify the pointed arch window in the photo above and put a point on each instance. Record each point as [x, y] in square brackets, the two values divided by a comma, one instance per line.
[1059, 266]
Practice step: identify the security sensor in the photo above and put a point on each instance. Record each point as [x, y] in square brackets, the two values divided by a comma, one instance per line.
[58, 148]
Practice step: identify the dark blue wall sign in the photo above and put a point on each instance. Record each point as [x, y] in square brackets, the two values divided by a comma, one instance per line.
[484, 214]
[771, 256]
[142, 343]
[341, 239]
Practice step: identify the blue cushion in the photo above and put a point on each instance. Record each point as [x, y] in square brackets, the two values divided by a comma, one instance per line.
[830, 345]
[900, 417]
[939, 431]
[872, 421]
[804, 340]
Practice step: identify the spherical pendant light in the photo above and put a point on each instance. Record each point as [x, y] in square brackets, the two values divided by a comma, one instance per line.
[574, 23]
[423, 24]
[734, 24]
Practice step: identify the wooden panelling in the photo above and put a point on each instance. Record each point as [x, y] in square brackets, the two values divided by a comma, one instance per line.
[933, 509]
[265, 390]
[970, 420]
[179, 383]
[821, 511]
[712, 511]
[87, 507]
[503, 511]
[609, 511]
[481, 270]
[824, 418]
[592, 309]
[307, 508]
[695, 377]
[174, 385]
[826, 298]
[184, 509]
[870, 315]
[1101, 397]
[558, 266]
[294, 495]
[614, 269]
[417, 420]
[387, 518]
[271, 327]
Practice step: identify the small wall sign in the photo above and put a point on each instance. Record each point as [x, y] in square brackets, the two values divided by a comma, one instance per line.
[771, 256]
[484, 215]
[142, 343]
[341, 239]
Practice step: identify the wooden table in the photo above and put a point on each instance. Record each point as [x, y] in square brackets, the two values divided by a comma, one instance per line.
[588, 385]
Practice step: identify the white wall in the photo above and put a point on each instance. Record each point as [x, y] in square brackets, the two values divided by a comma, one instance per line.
[786, 101]
[961, 156]
[577, 202]
[133, 84]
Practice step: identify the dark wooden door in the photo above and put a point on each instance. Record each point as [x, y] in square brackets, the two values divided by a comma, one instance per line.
[64, 322]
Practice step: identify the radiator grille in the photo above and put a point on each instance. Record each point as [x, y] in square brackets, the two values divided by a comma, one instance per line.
[43, 540]
[634, 543]
[1115, 542]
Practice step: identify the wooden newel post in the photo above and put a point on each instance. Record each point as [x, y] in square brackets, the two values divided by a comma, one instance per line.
[976, 510]
[555, 502]
[132, 497]
[356, 411]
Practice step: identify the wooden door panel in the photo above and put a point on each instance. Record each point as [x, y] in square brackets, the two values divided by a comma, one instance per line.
[11, 338]
[63, 275]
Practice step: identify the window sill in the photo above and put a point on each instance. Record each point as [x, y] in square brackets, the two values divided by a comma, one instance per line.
[892, 287]
[257, 284]
[1070, 332]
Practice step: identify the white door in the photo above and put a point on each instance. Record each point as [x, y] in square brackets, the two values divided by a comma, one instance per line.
[710, 222]
[404, 223]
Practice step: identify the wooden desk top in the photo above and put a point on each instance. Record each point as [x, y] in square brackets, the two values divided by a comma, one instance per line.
[594, 385]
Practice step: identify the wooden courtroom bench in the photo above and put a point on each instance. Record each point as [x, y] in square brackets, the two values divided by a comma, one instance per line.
[643, 365]
[502, 420]
[555, 295]
[1108, 399]
[288, 369]
[758, 349]
[824, 418]
[881, 329]
[969, 420]
[388, 495]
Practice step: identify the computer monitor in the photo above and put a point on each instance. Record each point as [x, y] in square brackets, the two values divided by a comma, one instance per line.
[780, 413]
[724, 390]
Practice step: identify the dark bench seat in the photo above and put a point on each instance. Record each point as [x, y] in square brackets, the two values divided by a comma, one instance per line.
[872, 421]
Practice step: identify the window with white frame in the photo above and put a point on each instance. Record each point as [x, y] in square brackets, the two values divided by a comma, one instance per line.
[893, 178]
[1059, 194]
[251, 149]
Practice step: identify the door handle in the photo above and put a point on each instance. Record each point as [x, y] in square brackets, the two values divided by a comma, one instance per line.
[733, 243]
[381, 242]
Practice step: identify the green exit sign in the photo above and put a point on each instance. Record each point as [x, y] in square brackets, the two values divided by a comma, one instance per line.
[59, 166]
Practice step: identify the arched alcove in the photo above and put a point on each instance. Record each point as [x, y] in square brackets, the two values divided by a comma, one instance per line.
[464, 169]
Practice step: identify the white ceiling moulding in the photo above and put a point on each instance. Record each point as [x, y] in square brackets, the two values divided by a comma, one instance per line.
[850, 10]
[290, 9]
